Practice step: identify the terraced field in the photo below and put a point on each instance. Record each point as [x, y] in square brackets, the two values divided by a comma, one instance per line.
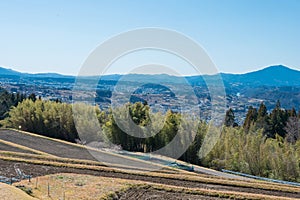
[40, 156]
[25, 141]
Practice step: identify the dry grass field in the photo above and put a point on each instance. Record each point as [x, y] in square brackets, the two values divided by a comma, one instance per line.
[8, 192]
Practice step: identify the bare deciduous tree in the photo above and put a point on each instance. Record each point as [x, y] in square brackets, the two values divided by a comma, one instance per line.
[292, 128]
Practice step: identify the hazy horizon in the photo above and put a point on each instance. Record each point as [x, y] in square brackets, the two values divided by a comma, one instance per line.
[143, 73]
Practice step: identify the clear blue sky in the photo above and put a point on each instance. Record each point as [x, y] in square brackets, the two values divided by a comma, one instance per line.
[239, 36]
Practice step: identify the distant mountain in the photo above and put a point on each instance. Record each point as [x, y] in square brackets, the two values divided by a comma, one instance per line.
[50, 75]
[278, 75]
[10, 72]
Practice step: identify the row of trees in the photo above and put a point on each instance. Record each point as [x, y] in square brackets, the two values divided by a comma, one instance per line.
[279, 121]
[273, 123]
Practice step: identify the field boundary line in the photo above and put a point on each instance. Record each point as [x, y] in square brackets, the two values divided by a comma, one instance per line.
[22, 147]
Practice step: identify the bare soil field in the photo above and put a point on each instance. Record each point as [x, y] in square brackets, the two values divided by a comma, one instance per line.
[69, 150]
[144, 194]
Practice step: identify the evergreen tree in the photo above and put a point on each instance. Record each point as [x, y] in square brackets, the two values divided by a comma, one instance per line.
[251, 118]
[262, 121]
[7, 100]
[32, 97]
[230, 118]
[292, 112]
[278, 121]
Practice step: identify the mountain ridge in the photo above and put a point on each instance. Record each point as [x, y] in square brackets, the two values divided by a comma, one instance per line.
[276, 75]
